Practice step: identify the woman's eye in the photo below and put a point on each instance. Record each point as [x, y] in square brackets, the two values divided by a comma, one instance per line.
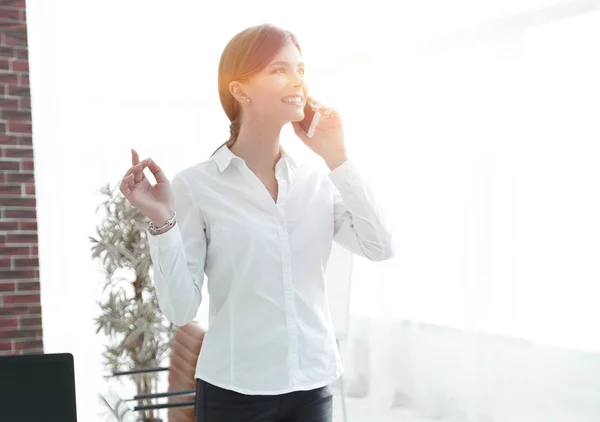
[283, 70]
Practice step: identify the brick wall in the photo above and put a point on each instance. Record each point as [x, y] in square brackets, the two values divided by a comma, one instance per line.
[20, 310]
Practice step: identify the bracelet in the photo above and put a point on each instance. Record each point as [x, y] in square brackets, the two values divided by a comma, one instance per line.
[154, 230]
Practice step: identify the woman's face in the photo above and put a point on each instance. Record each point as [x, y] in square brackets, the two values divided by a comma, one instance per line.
[278, 92]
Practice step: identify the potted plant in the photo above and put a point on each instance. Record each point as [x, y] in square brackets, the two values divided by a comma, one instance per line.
[139, 335]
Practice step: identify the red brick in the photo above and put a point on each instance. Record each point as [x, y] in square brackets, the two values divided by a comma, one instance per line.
[22, 177]
[9, 78]
[17, 202]
[18, 65]
[9, 226]
[35, 321]
[9, 165]
[19, 126]
[34, 251]
[10, 13]
[28, 286]
[20, 310]
[29, 238]
[18, 152]
[14, 250]
[6, 52]
[20, 214]
[7, 288]
[25, 139]
[5, 262]
[29, 344]
[29, 189]
[5, 347]
[21, 298]
[27, 165]
[25, 262]
[16, 115]
[28, 225]
[33, 351]
[4, 64]
[28, 333]
[17, 90]
[24, 80]
[16, 274]
[9, 25]
[6, 190]
[16, 36]
[9, 323]
[14, 3]
[25, 104]
[8, 139]
[21, 53]
[9, 102]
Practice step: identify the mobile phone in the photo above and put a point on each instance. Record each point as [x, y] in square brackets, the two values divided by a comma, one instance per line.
[310, 121]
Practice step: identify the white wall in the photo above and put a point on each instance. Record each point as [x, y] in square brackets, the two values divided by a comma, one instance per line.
[484, 156]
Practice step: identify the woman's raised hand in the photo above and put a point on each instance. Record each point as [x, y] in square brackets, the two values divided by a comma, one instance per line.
[154, 201]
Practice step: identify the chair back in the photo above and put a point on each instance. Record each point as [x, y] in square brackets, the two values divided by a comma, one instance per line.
[184, 355]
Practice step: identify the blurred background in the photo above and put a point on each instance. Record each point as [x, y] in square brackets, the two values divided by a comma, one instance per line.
[476, 122]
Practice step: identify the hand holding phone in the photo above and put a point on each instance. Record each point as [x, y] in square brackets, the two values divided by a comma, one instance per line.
[310, 121]
[328, 142]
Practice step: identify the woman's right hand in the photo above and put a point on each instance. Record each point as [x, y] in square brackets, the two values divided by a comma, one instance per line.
[155, 202]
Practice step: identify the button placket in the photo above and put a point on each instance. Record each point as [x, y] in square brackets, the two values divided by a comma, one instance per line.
[290, 305]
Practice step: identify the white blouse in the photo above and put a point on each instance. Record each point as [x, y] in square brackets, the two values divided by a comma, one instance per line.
[270, 329]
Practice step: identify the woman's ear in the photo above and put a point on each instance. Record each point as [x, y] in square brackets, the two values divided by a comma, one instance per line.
[237, 90]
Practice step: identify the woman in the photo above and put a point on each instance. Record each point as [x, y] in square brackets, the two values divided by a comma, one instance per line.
[261, 227]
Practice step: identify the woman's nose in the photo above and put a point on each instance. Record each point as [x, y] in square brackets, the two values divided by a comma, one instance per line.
[298, 79]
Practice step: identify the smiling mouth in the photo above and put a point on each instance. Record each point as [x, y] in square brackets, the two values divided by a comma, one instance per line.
[294, 100]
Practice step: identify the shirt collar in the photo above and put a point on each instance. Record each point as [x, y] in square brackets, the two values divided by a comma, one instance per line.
[223, 157]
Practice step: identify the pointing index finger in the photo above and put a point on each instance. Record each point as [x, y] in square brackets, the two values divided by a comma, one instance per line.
[135, 158]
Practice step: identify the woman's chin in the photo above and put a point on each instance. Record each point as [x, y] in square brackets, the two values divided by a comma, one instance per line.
[290, 114]
[296, 116]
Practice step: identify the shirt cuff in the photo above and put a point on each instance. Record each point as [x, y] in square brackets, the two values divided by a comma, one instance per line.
[345, 174]
[165, 240]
